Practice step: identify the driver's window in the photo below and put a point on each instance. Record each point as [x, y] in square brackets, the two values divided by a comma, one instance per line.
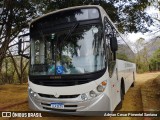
[109, 32]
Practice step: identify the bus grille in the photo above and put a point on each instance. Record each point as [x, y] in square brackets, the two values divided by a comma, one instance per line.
[61, 96]
[60, 82]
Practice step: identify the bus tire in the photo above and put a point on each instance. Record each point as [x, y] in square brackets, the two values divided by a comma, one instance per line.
[132, 84]
[133, 81]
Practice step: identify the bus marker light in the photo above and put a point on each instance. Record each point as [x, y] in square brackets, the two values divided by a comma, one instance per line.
[104, 83]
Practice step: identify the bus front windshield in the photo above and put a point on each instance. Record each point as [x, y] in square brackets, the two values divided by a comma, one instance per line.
[79, 50]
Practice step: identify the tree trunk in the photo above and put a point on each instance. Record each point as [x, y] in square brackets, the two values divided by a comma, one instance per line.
[1, 75]
[21, 79]
[1, 81]
[6, 72]
[15, 66]
[21, 70]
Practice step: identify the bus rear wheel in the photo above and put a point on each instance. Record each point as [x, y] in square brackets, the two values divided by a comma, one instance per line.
[133, 80]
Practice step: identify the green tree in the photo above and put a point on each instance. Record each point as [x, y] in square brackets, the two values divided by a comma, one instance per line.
[127, 15]
[122, 56]
[8, 71]
[14, 18]
[141, 55]
[155, 60]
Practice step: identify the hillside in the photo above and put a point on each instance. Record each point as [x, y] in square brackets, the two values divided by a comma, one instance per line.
[153, 45]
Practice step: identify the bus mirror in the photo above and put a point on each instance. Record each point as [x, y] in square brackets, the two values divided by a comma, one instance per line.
[113, 44]
[24, 45]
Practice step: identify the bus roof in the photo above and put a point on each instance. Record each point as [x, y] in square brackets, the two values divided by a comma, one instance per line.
[70, 8]
[102, 12]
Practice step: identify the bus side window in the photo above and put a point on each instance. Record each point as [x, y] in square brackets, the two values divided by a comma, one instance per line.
[110, 56]
[124, 52]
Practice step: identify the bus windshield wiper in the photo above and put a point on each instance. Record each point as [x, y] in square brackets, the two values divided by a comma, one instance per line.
[70, 32]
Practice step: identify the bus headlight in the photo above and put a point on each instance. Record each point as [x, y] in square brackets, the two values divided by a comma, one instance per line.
[34, 94]
[31, 92]
[84, 97]
[92, 93]
[95, 92]
[102, 86]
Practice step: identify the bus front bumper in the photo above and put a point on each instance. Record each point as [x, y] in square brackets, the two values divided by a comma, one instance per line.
[93, 107]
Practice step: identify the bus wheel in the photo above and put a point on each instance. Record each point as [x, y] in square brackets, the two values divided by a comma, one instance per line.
[133, 81]
[119, 106]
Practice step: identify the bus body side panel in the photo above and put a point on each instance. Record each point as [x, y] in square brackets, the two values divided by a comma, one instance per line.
[114, 88]
[125, 71]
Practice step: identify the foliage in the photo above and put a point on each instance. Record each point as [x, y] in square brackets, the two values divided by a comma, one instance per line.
[142, 61]
[122, 56]
[14, 70]
[128, 15]
[133, 17]
[155, 60]
[8, 71]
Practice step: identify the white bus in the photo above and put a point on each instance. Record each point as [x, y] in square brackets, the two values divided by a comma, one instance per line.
[78, 62]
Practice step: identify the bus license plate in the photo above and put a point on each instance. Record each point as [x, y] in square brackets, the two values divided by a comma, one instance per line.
[57, 105]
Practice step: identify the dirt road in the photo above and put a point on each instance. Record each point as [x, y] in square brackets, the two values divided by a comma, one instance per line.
[133, 99]
[132, 102]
